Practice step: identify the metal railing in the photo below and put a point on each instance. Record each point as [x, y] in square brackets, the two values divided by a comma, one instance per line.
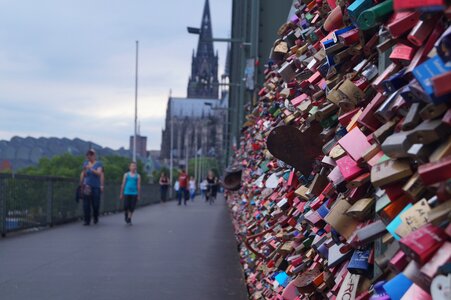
[36, 201]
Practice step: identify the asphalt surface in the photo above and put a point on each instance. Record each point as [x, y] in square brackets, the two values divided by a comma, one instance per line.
[170, 252]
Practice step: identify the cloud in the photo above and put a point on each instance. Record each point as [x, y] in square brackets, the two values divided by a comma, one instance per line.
[67, 67]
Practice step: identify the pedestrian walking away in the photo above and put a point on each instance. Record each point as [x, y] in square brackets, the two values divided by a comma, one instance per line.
[164, 186]
[192, 188]
[203, 189]
[91, 182]
[177, 189]
[212, 186]
[183, 187]
[130, 191]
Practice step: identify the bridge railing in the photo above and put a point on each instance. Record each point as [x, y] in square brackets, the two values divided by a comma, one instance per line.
[36, 201]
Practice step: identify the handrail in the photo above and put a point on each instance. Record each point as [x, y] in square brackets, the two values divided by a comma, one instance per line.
[37, 201]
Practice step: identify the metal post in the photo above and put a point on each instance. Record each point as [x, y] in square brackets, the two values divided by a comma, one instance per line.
[201, 163]
[50, 203]
[255, 34]
[199, 174]
[242, 64]
[136, 102]
[171, 164]
[226, 137]
[203, 166]
[187, 152]
[3, 208]
[195, 156]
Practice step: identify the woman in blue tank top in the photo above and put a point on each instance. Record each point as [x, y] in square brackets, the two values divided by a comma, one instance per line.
[130, 191]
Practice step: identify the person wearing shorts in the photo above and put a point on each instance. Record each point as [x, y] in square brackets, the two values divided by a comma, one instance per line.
[130, 191]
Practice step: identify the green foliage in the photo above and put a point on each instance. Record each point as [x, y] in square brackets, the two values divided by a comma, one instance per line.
[175, 174]
[205, 164]
[70, 166]
[156, 174]
[65, 165]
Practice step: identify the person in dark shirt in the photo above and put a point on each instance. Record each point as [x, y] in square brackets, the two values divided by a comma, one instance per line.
[91, 181]
[164, 185]
[212, 186]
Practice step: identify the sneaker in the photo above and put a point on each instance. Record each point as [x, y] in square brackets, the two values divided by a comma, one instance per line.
[86, 224]
[96, 220]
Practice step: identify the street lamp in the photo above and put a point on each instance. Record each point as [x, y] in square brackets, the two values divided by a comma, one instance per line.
[171, 163]
[136, 103]
[194, 30]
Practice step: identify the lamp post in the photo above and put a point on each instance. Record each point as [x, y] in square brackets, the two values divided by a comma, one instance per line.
[171, 163]
[136, 103]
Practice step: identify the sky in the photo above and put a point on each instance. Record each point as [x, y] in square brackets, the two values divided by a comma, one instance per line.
[67, 67]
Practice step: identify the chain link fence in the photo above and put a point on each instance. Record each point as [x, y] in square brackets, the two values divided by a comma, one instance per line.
[34, 201]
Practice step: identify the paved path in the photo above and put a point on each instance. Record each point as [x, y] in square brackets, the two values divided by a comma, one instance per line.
[171, 252]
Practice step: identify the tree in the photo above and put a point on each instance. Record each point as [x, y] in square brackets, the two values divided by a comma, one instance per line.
[157, 173]
[206, 163]
[68, 165]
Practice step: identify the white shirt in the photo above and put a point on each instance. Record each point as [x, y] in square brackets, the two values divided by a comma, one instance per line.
[192, 185]
[203, 185]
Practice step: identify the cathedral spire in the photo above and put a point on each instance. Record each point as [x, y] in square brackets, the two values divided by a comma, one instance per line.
[205, 43]
[203, 82]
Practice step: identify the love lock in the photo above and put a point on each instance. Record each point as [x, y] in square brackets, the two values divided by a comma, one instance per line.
[295, 147]
[441, 287]
[232, 179]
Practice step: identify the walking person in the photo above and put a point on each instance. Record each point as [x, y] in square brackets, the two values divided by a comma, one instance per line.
[164, 186]
[177, 189]
[91, 182]
[183, 187]
[192, 188]
[203, 189]
[212, 186]
[130, 191]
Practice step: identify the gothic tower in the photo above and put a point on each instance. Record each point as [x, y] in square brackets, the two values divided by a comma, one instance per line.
[203, 82]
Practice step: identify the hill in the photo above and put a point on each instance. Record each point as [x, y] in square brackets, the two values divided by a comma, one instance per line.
[25, 152]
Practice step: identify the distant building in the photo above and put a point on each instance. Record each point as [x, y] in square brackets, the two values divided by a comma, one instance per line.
[197, 123]
[197, 127]
[153, 164]
[141, 146]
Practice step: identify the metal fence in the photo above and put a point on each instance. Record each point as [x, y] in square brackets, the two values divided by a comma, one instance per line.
[35, 201]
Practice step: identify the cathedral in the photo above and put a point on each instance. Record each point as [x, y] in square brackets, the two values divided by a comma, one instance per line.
[195, 125]
[203, 82]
